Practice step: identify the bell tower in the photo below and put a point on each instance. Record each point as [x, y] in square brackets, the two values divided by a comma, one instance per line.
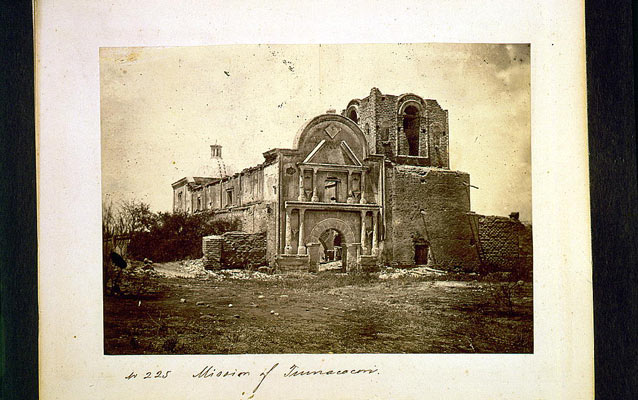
[407, 128]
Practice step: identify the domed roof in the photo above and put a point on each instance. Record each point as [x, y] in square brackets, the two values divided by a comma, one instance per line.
[213, 166]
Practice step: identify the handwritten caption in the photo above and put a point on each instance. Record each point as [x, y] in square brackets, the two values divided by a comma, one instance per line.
[210, 372]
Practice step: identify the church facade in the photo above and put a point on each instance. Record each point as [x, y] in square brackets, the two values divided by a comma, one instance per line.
[370, 186]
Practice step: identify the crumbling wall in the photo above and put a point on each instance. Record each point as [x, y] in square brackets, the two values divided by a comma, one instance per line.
[255, 218]
[437, 134]
[235, 250]
[505, 244]
[212, 249]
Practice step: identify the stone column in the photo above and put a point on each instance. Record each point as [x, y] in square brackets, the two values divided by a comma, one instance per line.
[349, 188]
[351, 258]
[302, 192]
[313, 252]
[363, 187]
[375, 222]
[288, 242]
[301, 248]
[364, 248]
[315, 196]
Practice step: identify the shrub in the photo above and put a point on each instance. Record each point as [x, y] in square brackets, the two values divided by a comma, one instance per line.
[177, 236]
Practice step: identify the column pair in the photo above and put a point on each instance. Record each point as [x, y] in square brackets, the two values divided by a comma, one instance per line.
[301, 247]
[302, 190]
[375, 223]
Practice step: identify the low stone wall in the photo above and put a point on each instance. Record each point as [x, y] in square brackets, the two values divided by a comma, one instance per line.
[505, 244]
[292, 262]
[235, 250]
[212, 249]
[254, 218]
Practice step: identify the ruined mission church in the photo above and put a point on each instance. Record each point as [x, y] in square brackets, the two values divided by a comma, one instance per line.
[371, 186]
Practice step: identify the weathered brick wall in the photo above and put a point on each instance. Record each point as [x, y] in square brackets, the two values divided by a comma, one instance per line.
[444, 197]
[212, 249]
[436, 124]
[235, 250]
[251, 184]
[384, 129]
[377, 119]
[367, 123]
[386, 119]
[505, 244]
[248, 186]
[255, 218]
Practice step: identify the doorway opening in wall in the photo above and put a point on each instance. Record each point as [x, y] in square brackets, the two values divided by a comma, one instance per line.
[332, 256]
[421, 253]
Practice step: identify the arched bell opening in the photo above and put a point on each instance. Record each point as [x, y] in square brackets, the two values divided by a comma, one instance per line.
[411, 129]
[353, 115]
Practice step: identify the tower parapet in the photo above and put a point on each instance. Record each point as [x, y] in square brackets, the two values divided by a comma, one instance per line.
[407, 128]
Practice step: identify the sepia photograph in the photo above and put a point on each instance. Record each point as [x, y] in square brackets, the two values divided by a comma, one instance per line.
[307, 200]
[272, 199]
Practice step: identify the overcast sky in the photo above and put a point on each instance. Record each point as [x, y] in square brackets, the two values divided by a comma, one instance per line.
[161, 108]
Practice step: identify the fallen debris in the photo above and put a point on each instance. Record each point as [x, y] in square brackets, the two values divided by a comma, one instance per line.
[195, 269]
[394, 273]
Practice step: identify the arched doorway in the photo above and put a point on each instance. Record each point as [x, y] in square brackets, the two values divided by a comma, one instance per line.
[332, 253]
[332, 239]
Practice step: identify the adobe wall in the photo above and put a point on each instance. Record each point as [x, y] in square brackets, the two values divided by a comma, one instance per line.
[505, 244]
[444, 197]
[235, 250]
[377, 119]
[436, 124]
[255, 218]
[249, 186]
[212, 251]
[182, 200]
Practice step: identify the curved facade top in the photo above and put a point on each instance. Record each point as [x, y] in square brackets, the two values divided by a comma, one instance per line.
[327, 127]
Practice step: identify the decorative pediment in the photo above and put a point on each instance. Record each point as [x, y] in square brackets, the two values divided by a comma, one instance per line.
[320, 136]
[332, 152]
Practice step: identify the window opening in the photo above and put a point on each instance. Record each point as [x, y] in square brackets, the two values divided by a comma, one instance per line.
[411, 129]
[331, 189]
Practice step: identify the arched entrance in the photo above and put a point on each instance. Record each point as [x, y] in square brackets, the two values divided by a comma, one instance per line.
[332, 239]
[332, 253]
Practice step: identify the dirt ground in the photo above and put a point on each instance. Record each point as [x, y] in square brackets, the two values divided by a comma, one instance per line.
[180, 309]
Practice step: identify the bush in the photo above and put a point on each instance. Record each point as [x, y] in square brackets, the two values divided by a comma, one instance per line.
[177, 236]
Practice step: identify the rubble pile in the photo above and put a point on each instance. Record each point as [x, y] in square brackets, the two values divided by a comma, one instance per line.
[394, 273]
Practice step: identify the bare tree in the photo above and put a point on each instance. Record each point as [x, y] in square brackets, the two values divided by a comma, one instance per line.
[130, 216]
